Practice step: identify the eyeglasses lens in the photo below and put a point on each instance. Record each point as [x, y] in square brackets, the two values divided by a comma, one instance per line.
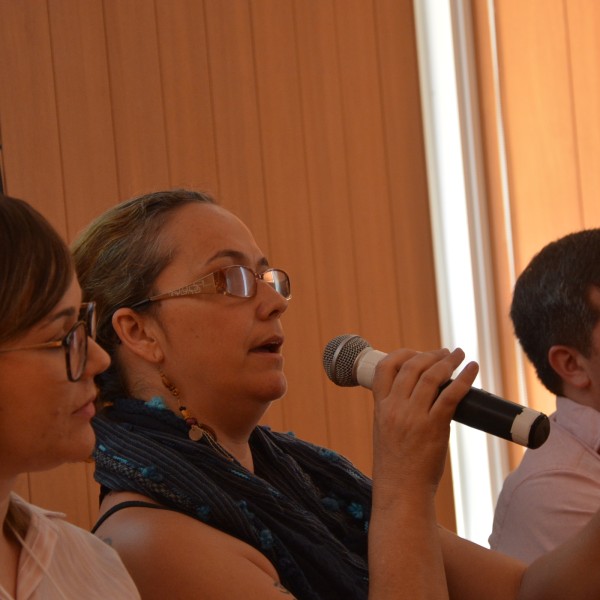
[77, 348]
[87, 313]
[278, 280]
[240, 282]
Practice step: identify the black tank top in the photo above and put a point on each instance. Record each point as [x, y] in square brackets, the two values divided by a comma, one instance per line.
[127, 504]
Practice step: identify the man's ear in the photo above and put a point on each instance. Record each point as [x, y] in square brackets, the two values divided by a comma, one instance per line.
[138, 333]
[570, 365]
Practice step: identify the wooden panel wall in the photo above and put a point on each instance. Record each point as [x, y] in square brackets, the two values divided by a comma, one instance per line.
[546, 103]
[301, 116]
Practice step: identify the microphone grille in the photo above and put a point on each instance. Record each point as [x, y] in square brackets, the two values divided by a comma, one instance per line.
[339, 357]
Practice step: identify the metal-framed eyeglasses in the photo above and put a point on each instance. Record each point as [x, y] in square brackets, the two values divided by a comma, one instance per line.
[236, 280]
[75, 342]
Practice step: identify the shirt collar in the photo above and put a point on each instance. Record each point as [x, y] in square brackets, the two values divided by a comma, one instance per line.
[579, 420]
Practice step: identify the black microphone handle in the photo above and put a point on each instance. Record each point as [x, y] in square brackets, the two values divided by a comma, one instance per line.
[510, 421]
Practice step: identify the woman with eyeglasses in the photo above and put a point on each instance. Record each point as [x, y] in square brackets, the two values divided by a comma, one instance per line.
[199, 500]
[48, 361]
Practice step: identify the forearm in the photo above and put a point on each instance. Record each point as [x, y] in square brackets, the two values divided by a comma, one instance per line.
[410, 441]
[405, 557]
[474, 572]
[570, 571]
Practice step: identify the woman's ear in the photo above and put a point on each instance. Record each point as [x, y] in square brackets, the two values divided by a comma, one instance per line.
[570, 365]
[138, 333]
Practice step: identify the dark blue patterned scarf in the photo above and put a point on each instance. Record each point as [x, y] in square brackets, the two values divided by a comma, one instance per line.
[305, 508]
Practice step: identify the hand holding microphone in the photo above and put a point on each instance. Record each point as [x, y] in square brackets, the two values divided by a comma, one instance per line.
[349, 360]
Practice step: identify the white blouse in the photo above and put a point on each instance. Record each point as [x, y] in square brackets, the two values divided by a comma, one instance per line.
[62, 561]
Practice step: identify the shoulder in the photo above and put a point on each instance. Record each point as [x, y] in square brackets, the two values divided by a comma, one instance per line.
[563, 451]
[35, 511]
[99, 571]
[142, 530]
[549, 479]
[170, 553]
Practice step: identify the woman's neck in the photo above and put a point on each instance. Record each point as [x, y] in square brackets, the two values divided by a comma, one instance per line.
[231, 430]
[240, 450]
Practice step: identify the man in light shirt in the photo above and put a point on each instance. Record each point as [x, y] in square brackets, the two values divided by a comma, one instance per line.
[556, 315]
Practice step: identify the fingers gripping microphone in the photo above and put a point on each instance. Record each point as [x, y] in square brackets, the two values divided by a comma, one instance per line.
[349, 361]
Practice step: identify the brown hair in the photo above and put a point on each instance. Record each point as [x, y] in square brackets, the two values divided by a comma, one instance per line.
[118, 257]
[552, 304]
[36, 267]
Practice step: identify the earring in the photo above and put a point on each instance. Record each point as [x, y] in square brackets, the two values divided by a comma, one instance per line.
[196, 430]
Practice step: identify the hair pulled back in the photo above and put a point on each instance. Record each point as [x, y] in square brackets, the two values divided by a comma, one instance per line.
[118, 257]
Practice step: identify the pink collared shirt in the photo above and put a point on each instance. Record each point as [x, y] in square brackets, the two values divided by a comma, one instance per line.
[555, 490]
[69, 562]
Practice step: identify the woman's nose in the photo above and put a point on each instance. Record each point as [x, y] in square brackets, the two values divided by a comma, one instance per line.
[98, 358]
[272, 303]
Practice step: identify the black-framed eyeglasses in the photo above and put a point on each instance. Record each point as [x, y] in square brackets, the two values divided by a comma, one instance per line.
[75, 342]
[235, 280]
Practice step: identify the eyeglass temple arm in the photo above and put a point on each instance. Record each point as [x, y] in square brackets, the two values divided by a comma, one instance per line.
[206, 285]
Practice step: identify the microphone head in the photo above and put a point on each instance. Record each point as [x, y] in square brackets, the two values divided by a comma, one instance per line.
[339, 357]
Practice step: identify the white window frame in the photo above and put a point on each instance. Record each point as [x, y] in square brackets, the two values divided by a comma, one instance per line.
[461, 241]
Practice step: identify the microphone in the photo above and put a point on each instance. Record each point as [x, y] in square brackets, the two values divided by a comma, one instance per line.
[349, 360]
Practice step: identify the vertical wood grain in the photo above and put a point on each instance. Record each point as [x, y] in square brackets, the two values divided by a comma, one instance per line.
[136, 96]
[85, 126]
[538, 111]
[185, 86]
[30, 134]
[406, 173]
[233, 91]
[583, 34]
[301, 117]
[371, 211]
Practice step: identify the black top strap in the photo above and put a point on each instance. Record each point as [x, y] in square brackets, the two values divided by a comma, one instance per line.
[130, 503]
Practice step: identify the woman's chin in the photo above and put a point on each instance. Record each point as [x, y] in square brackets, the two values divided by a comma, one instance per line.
[83, 449]
[274, 389]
